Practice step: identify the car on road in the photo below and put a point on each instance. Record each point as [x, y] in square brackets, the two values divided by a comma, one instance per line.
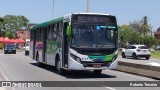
[136, 51]
[27, 46]
[10, 48]
[157, 47]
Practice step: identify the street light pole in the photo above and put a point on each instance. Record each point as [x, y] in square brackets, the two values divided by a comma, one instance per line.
[88, 5]
[53, 10]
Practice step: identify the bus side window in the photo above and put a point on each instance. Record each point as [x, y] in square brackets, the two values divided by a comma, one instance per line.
[59, 33]
[50, 33]
[54, 36]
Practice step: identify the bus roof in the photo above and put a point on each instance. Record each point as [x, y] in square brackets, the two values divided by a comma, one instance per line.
[45, 24]
[93, 13]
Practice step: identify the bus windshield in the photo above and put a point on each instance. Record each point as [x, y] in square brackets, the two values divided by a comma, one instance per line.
[93, 35]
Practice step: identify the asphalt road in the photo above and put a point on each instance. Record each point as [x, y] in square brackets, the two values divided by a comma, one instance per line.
[18, 67]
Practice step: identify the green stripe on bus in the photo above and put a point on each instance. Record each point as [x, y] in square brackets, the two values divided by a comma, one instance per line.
[105, 58]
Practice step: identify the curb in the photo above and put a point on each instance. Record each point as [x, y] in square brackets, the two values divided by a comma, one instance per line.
[139, 69]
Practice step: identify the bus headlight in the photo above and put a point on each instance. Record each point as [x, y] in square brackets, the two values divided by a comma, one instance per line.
[75, 58]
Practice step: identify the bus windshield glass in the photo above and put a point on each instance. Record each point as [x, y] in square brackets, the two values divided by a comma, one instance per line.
[94, 31]
[93, 35]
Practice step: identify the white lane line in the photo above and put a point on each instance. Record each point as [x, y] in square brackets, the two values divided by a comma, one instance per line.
[5, 79]
[2, 88]
[3, 74]
[154, 64]
[110, 88]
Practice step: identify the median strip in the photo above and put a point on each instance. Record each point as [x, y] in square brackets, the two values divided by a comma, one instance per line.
[140, 69]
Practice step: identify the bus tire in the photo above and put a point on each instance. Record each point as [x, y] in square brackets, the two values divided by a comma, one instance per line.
[39, 64]
[58, 66]
[97, 72]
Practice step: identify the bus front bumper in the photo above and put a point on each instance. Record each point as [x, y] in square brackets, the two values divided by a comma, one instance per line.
[74, 65]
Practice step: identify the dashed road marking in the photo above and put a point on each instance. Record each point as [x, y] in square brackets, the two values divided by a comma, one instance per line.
[110, 88]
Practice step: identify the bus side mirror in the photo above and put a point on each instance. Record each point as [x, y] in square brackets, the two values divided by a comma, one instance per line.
[68, 31]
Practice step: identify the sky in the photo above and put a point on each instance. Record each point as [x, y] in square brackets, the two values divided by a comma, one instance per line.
[38, 11]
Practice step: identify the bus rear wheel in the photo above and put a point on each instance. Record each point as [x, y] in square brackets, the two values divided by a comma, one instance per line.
[39, 64]
[97, 72]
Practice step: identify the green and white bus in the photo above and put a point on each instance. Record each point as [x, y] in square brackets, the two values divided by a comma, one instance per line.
[78, 41]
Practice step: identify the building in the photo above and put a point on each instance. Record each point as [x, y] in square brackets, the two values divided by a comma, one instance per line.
[23, 33]
[157, 34]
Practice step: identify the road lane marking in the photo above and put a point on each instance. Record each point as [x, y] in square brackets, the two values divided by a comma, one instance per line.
[154, 64]
[110, 88]
[2, 88]
[5, 79]
[4, 76]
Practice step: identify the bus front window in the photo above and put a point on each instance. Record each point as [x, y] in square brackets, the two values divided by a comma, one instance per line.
[93, 36]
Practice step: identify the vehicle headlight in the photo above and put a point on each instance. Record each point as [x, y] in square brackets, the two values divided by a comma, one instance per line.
[75, 58]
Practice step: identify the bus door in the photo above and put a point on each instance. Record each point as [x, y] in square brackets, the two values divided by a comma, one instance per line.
[65, 46]
[34, 44]
[44, 45]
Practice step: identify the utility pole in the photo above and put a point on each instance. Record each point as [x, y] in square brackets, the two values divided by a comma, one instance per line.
[88, 5]
[53, 10]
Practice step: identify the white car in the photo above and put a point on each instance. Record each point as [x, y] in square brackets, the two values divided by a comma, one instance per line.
[157, 47]
[136, 51]
[27, 47]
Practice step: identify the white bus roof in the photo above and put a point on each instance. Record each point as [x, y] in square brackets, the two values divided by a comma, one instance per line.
[88, 14]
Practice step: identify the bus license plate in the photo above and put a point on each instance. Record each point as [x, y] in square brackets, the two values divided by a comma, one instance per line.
[97, 65]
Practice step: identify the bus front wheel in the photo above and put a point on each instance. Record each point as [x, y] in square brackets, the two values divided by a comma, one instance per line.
[58, 67]
[97, 71]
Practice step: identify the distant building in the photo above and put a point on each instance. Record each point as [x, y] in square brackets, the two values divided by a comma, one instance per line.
[157, 34]
[23, 33]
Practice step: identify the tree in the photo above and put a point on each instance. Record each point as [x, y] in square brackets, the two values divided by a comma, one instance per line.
[9, 35]
[145, 27]
[13, 23]
[141, 26]
[1, 26]
[1, 19]
[149, 41]
[124, 34]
